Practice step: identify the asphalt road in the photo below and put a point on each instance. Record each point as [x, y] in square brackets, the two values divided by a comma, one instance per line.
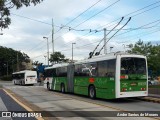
[7, 104]
[55, 101]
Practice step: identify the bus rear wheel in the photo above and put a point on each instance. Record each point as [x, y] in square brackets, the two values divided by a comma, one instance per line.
[48, 86]
[92, 92]
[62, 88]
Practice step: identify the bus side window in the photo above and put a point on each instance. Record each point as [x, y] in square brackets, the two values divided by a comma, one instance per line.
[102, 68]
[110, 74]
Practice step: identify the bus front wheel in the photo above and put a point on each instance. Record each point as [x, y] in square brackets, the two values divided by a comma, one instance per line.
[62, 88]
[92, 92]
[48, 86]
[14, 83]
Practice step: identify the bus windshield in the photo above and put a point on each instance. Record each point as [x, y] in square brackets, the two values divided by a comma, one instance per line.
[130, 65]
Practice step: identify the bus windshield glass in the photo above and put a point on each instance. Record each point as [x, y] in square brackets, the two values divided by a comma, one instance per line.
[131, 65]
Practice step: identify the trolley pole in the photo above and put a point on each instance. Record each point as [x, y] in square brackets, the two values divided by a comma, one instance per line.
[105, 44]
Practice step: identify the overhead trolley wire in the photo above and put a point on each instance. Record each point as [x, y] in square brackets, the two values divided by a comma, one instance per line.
[97, 13]
[91, 54]
[66, 23]
[82, 13]
[114, 35]
[94, 15]
[140, 10]
[155, 3]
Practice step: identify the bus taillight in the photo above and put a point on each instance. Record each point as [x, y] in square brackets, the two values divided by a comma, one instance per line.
[124, 89]
[143, 89]
[124, 77]
[91, 80]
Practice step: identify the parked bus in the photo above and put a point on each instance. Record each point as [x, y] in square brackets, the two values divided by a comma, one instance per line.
[110, 76]
[24, 77]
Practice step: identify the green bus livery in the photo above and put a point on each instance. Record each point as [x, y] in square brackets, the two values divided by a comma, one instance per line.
[111, 76]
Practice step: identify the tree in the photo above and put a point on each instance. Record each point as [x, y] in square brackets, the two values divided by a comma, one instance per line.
[6, 5]
[57, 57]
[8, 60]
[152, 52]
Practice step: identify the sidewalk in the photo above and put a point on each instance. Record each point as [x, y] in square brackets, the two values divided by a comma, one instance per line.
[151, 98]
[154, 95]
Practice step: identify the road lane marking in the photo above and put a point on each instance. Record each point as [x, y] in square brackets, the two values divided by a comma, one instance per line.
[20, 103]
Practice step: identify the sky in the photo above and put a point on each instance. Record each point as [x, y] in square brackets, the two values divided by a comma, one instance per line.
[81, 22]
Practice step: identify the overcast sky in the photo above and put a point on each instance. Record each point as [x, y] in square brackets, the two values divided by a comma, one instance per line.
[29, 26]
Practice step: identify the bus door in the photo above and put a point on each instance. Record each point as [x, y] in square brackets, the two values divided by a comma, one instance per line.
[70, 78]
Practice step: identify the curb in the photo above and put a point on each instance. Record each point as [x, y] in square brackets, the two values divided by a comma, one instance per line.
[151, 99]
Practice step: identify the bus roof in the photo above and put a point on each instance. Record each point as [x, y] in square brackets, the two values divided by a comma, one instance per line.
[57, 65]
[24, 71]
[108, 56]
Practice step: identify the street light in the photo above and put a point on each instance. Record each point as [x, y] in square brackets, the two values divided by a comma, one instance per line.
[47, 49]
[72, 51]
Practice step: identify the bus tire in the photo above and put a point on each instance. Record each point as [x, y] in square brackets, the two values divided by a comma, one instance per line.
[92, 92]
[62, 88]
[21, 82]
[48, 86]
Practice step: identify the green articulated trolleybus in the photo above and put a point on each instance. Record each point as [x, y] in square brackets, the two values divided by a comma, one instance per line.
[110, 76]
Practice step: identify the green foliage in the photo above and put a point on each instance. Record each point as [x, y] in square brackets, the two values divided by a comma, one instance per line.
[6, 5]
[8, 57]
[152, 52]
[57, 57]
[6, 78]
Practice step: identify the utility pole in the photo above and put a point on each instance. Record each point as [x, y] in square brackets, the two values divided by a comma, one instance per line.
[52, 36]
[72, 51]
[105, 44]
[17, 62]
[47, 49]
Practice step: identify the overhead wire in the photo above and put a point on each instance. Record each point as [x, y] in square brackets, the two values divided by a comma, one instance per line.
[92, 17]
[97, 13]
[124, 33]
[155, 3]
[86, 45]
[145, 7]
[66, 23]
[81, 13]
